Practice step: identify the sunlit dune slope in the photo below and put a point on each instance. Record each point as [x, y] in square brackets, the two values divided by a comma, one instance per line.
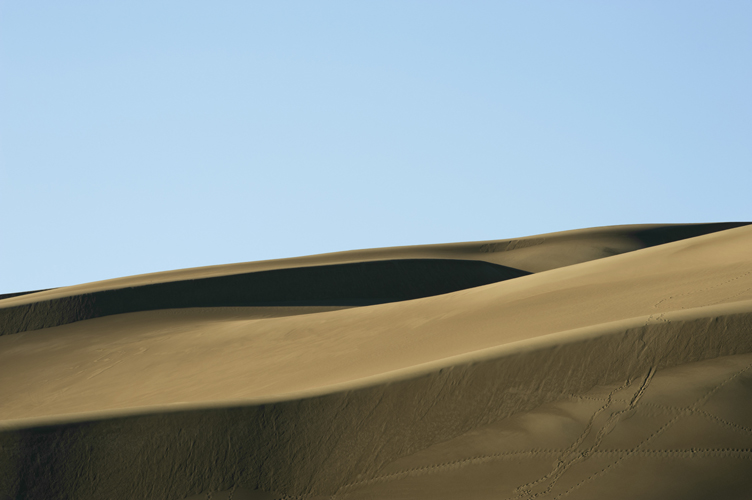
[201, 356]
[397, 399]
[359, 277]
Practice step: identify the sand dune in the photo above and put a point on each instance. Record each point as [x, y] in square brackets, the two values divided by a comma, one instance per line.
[609, 362]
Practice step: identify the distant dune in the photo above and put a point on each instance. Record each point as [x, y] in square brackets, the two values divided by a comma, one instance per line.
[610, 362]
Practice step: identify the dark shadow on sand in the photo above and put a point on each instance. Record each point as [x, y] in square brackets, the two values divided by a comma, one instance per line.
[356, 284]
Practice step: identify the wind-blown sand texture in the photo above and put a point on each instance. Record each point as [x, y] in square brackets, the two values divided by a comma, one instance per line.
[599, 363]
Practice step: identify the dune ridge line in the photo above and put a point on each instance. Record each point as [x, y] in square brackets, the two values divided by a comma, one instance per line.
[328, 399]
[278, 451]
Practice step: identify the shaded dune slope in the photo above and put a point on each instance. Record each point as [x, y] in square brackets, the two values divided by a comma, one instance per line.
[682, 432]
[353, 284]
[532, 254]
[355, 278]
[18, 294]
[317, 446]
[403, 399]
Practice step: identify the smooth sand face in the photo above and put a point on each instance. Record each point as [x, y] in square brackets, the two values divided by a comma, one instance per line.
[683, 432]
[565, 382]
[532, 253]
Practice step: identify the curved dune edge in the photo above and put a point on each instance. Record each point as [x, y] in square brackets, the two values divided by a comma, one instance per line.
[282, 446]
[532, 341]
[532, 254]
[148, 359]
[684, 431]
[342, 278]
[727, 316]
[351, 284]
[676, 433]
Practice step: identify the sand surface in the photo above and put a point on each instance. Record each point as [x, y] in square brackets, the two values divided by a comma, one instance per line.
[598, 363]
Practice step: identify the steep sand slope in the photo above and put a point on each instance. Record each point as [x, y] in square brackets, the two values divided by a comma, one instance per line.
[683, 432]
[337, 285]
[330, 401]
[198, 356]
[357, 278]
[530, 254]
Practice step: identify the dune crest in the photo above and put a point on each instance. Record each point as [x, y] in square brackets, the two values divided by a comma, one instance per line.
[488, 362]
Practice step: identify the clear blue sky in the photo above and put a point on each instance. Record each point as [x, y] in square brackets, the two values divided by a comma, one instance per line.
[145, 136]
